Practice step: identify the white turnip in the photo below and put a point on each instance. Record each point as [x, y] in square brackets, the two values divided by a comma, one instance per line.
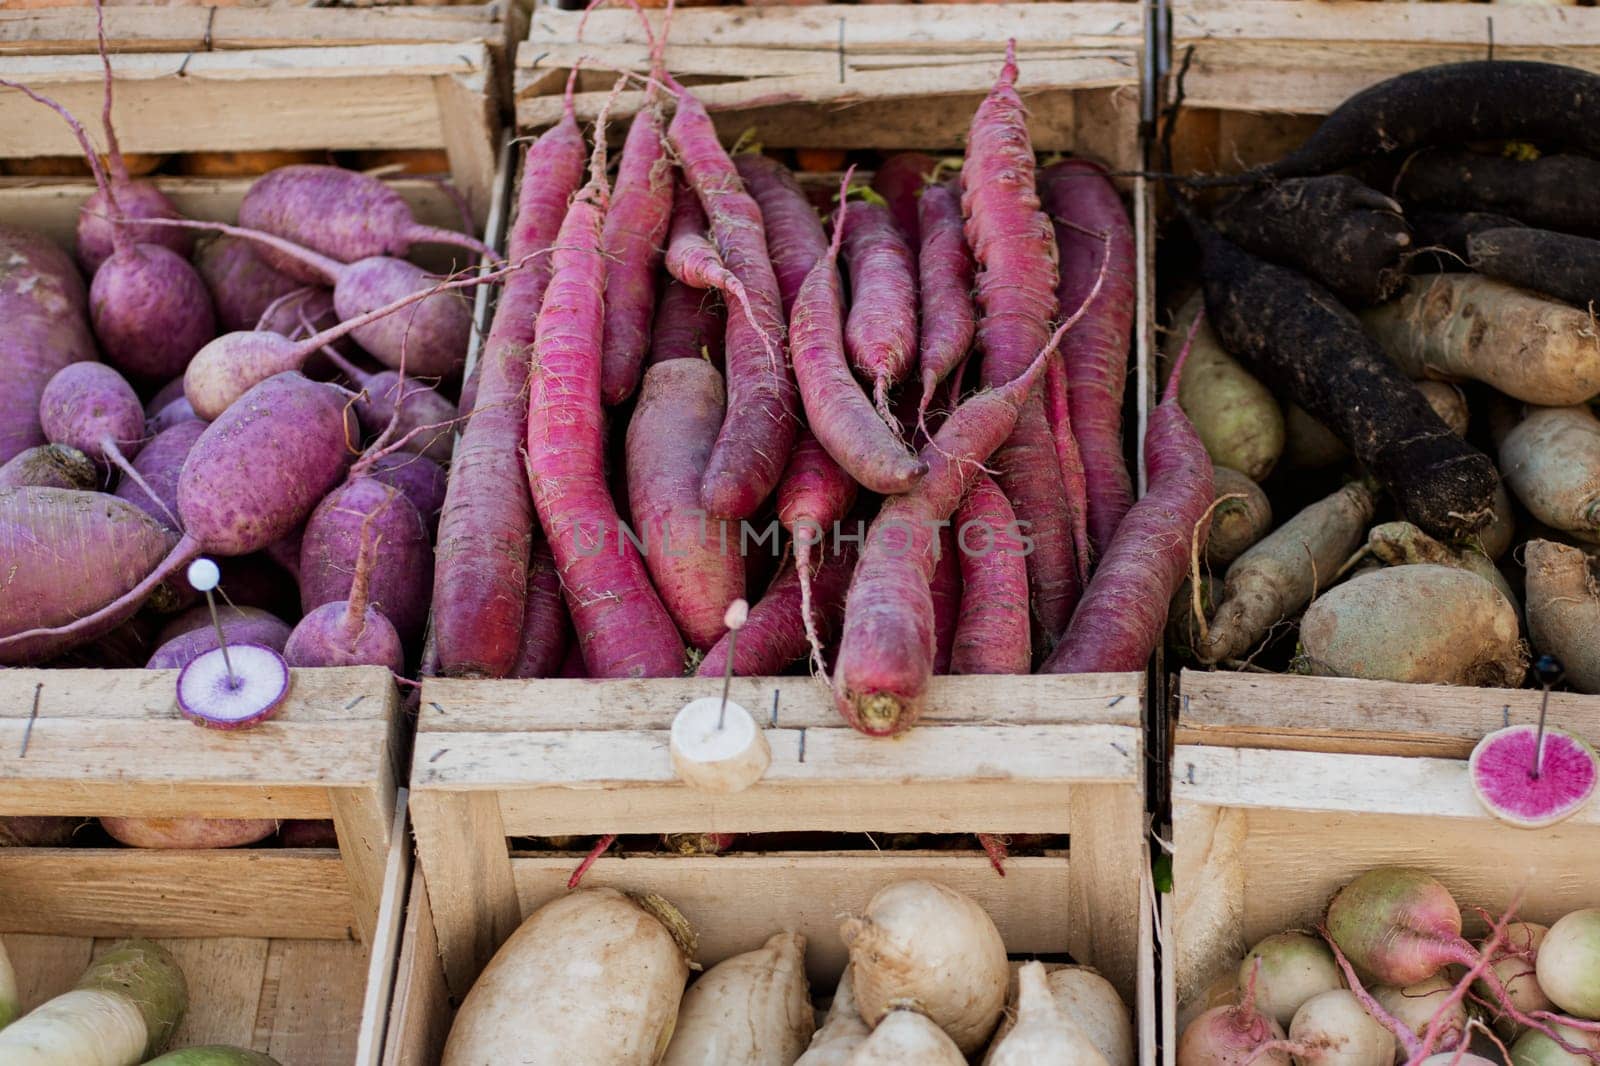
[906, 1038]
[1415, 1007]
[1569, 964]
[1332, 1029]
[1044, 1034]
[752, 1009]
[1294, 967]
[841, 1033]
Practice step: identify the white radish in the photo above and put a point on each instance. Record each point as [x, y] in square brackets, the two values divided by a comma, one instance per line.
[1089, 1000]
[10, 1002]
[1516, 973]
[906, 1038]
[1333, 1029]
[843, 1031]
[1533, 1048]
[928, 947]
[1457, 1058]
[1043, 1034]
[122, 1012]
[752, 1009]
[1569, 964]
[590, 979]
[1294, 967]
[1415, 1006]
[718, 747]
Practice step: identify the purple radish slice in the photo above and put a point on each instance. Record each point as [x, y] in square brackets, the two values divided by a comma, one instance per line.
[1503, 777]
[212, 696]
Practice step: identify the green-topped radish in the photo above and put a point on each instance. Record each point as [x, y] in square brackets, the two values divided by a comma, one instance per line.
[1516, 971]
[1234, 1034]
[122, 1011]
[1416, 1007]
[1569, 964]
[1534, 1048]
[1332, 1029]
[1294, 968]
[1532, 785]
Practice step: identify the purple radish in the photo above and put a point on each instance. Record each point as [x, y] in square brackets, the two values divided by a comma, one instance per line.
[1531, 789]
[188, 834]
[133, 199]
[66, 555]
[242, 284]
[420, 406]
[431, 339]
[158, 465]
[340, 214]
[349, 632]
[241, 625]
[45, 310]
[229, 366]
[174, 413]
[1233, 1036]
[88, 406]
[285, 552]
[172, 390]
[253, 477]
[1568, 968]
[233, 688]
[402, 574]
[419, 479]
[38, 831]
[50, 466]
[149, 308]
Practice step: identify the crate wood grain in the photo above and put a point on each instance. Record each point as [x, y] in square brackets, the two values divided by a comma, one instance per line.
[545, 758]
[305, 998]
[886, 81]
[1264, 71]
[1265, 837]
[112, 742]
[345, 97]
[736, 901]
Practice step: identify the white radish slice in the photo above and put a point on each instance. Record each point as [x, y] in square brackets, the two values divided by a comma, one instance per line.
[717, 751]
[208, 695]
[1503, 777]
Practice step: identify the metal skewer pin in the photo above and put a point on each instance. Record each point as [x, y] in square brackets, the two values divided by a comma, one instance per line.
[738, 612]
[204, 575]
[1548, 669]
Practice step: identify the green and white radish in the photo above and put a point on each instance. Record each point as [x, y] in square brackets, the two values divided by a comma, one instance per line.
[923, 945]
[1294, 968]
[1044, 1034]
[122, 1011]
[1332, 1029]
[1564, 609]
[1401, 543]
[1530, 781]
[1569, 964]
[1235, 415]
[906, 1038]
[590, 979]
[1242, 516]
[841, 1033]
[1549, 459]
[1516, 973]
[1534, 1048]
[752, 1009]
[1415, 1007]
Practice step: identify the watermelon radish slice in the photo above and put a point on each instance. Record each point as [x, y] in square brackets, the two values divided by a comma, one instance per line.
[1503, 776]
[211, 694]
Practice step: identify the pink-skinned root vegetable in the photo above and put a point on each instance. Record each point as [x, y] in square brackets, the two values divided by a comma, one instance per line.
[1236, 1035]
[902, 181]
[751, 1008]
[241, 283]
[1293, 967]
[759, 430]
[1083, 205]
[418, 478]
[188, 834]
[837, 411]
[880, 331]
[342, 214]
[89, 407]
[774, 637]
[486, 527]
[944, 589]
[419, 406]
[924, 946]
[113, 545]
[1074, 479]
[1530, 781]
[991, 635]
[623, 627]
[945, 280]
[602, 972]
[1123, 611]
[289, 432]
[546, 630]
[49, 466]
[234, 690]
[694, 562]
[44, 306]
[400, 577]
[351, 631]
[689, 325]
[795, 236]
[813, 497]
[241, 625]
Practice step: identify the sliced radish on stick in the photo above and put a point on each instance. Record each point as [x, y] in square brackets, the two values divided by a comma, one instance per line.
[233, 686]
[1522, 786]
[717, 746]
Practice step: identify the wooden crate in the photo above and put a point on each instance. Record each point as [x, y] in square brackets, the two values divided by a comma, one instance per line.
[884, 79]
[501, 759]
[279, 944]
[347, 97]
[1263, 72]
[736, 901]
[1283, 789]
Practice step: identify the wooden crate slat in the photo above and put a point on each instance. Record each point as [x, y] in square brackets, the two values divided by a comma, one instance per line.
[733, 901]
[315, 1000]
[138, 892]
[1347, 715]
[419, 1020]
[225, 976]
[46, 966]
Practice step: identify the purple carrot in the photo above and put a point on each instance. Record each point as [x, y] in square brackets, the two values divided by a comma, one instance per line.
[944, 268]
[794, 233]
[880, 333]
[689, 325]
